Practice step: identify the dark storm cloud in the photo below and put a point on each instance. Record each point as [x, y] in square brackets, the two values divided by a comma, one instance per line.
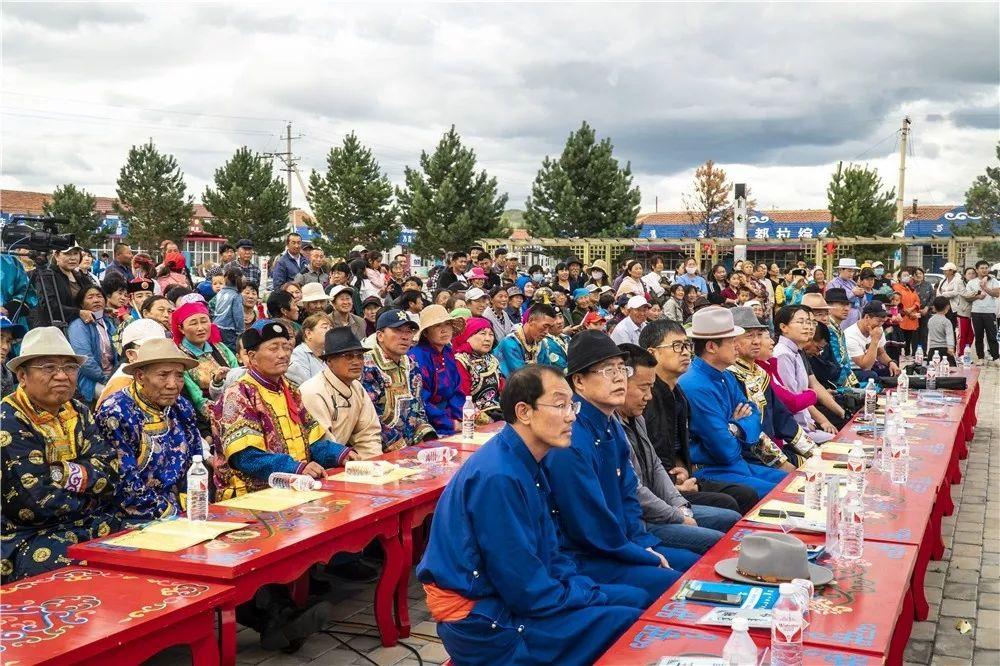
[979, 117]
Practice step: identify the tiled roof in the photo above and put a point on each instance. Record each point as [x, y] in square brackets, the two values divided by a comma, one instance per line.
[30, 203]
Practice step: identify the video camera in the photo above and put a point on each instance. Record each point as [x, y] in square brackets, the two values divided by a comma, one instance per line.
[43, 238]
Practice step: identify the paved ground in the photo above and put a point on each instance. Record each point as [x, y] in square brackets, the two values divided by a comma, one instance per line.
[964, 586]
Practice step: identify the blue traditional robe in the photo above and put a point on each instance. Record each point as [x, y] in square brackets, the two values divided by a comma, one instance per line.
[713, 396]
[58, 478]
[395, 388]
[154, 448]
[552, 350]
[440, 386]
[594, 487]
[493, 544]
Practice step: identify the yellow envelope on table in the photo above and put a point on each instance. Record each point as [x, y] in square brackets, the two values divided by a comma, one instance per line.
[169, 536]
[478, 438]
[392, 475]
[844, 448]
[814, 516]
[273, 499]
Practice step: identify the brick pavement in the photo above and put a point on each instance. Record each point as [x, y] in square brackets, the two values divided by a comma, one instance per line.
[965, 585]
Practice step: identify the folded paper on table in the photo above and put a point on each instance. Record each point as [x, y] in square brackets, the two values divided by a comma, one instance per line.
[757, 618]
[478, 438]
[273, 499]
[845, 447]
[751, 596]
[692, 661]
[814, 520]
[389, 477]
[170, 536]
[797, 486]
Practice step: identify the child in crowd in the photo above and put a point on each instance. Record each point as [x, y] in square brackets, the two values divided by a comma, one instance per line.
[743, 295]
[940, 332]
[894, 341]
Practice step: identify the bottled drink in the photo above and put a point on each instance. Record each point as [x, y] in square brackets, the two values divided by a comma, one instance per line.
[286, 481]
[852, 527]
[856, 469]
[903, 388]
[966, 358]
[918, 357]
[935, 359]
[899, 457]
[944, 367]
[931, 377]
[871, 401]
[786, 628]
[805, 589]
[740, 649]
[468, 418]
[814, 486]
[832, 491]
[197, 490]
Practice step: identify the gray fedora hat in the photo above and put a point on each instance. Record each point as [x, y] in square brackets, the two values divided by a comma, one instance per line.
[772, 558]
[713, 323]
[744, 318]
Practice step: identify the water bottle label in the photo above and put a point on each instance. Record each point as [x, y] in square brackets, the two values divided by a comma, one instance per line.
[787, 622]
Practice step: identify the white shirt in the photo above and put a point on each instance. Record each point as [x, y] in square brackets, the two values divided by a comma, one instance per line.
[626, 331]
[857, 342]
[986, 305]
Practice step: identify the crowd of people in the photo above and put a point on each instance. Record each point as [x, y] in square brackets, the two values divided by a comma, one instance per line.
[641, 417]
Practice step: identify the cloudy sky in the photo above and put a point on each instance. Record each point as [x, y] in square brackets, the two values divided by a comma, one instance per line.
[776, 93]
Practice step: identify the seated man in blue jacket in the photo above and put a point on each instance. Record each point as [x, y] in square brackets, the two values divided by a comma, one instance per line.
[497, 583]
[595, 486]
[724, 424]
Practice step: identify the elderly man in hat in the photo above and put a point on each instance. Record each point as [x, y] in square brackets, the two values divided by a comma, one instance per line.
[155, 430]
[778, 424]
[493, 550]
[723, 422]
[343, 311]
[520, 347]
[58, 474]
[847, 269]
[261, 426]
[594, 485]
[838, 308]
[244, 261]
[337, 399]
[629, 328]
[134, 335]
[393, 383]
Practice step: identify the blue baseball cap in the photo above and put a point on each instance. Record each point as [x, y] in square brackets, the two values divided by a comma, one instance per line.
[394, 318]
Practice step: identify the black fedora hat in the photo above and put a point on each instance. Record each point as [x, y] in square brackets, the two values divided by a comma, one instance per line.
[340, 340]
[588, 348]
[836, 295]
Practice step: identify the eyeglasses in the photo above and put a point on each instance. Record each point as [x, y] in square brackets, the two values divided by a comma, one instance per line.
[568, 408]
[677, 347]
[52, 369]
[611, 372]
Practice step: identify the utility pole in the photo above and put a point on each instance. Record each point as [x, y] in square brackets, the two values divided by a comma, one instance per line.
[903, 136]
[290, 161]
[740, 221]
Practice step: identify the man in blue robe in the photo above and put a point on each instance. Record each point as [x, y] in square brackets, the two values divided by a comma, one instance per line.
[595, 486]
[723, 422]
[497, 583]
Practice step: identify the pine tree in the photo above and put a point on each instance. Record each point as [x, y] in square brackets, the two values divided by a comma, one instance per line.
[860, 207]
[982, 200]
[151, 197]
[79, 207]
[584, 192]
[447, 203]
[709, 206]
[248, 202]
[352, 202]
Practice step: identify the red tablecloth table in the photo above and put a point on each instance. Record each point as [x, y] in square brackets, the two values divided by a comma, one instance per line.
[92, 615]
[279, 548]
[869, 609]
[646, 642]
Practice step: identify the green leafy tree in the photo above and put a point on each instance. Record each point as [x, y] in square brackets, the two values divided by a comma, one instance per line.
[982, 201]
[248, 202]
[151, 197]
[584, 192]
[860, 206]
[352, 202]
[79, 208]
[447, 202]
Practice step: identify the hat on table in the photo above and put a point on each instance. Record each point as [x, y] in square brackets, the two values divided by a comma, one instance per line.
[772, 558]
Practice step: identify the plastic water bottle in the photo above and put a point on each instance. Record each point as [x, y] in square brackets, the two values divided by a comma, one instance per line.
[786, 628]
[935, 359]
[286, 481]
[856, 469]
[966, 358]
[930, 378]
[832, 493]
[814, 486]
[468, 419]
[852, 527]
[918, 358]
[740, 649]
[871, 401]
[944, 367]
[197, 490]
[903, 388]
[899, 457]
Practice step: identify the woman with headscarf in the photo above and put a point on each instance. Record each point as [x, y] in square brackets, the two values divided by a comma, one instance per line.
[193, 331]
[441, 385]
[173, 272]
[95, 340]
[479, 369]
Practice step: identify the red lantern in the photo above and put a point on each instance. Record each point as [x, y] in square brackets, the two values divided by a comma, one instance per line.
[830, 247]
[706, 248]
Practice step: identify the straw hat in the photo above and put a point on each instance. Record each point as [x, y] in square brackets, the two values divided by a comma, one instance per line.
[435, 314]
[160, 350]
[43, 341]
[600, 265]
[313, 292]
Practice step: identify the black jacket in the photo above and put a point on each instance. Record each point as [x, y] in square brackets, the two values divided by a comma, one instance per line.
[667, 415]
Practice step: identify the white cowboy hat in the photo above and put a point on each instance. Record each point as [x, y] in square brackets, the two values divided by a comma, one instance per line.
[141, 330]
[713, 323]
[949, 267]
[161, 350]
[43, 341]
[313, 292]
[847, 262]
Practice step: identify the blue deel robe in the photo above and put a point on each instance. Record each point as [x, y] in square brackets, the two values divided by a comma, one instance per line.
[441, 388]
[713, 396]
[594, 487]
[493, 541]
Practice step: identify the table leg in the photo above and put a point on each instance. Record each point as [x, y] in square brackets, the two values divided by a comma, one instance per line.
[901, 633]
[943, 502]
[921, 609]
[205, 651]
[299, 590]
[386, 588]
[403, 584]
[227, 635]
[934, 533]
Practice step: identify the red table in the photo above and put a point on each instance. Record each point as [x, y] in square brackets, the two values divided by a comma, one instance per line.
[870, 609]
[279, 547]
[646, 642]
[91, 615]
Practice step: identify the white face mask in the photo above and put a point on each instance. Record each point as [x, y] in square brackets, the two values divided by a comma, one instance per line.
[537, 277]
[597, 275]
[905, 278]
[690, 270]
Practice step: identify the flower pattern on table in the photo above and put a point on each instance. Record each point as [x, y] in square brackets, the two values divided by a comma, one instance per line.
[652, 633]
[33, 622]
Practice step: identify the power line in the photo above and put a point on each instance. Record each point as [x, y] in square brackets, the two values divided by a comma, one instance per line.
[874, 146]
